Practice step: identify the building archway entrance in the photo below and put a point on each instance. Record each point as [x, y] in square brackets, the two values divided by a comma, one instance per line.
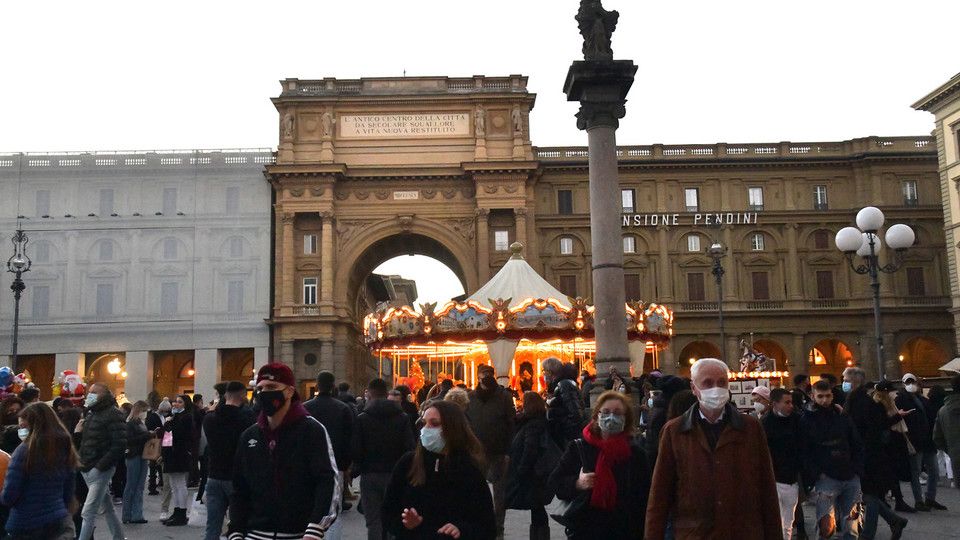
[922, 356]
[773, 350]
[695, 351]
[829, 356]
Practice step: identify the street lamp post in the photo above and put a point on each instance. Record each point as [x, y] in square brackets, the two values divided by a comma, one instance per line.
[864, 241]
[716, 251]
[17, 264]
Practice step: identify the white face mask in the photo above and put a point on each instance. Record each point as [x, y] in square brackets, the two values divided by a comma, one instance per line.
[912, 388]
[759, 407]
[714, 398]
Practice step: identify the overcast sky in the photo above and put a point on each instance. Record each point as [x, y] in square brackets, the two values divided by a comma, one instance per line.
[199, 74]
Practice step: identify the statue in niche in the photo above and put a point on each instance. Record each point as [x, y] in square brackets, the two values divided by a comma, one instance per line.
[286, 126]
[480, 122]
[326, 123]
[517, 117]
[596, 26]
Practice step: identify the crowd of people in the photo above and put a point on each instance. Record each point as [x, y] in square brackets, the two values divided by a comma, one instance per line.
[450, 461]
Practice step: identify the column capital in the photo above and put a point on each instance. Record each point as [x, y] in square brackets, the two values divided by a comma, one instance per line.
[593, 115]
[327, 216]
[522, 211]
[482, 213]
[601, 88]
[287, 217]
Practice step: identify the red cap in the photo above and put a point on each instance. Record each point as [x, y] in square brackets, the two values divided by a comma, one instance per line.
[277, 372]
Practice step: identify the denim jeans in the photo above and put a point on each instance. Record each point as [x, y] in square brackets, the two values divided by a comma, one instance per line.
[98, 497]
[841, 498]
[919, 461]
[874, 509]
[218, 499]
[133, 492]
[788, 494]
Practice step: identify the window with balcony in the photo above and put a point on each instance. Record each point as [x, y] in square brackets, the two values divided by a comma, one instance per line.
[755, 198]
[756, 242]
[568, 285]
[695, 289]
[564, 201]
[820, 198]
[761, 285]
[691, 197]
[631, 285]
[629, 244]
[566, 245]
[915, 282]
[501, 240]
[910, 193]
[825, 284]
[693, 243]
[310, 291]
[627, 201]
[106, 202]
[43, 203]
[309, 244]
[169, 296]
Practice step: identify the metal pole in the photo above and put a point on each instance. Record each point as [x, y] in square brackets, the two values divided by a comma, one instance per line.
[873, 266]
[718, 272]
[17, 289]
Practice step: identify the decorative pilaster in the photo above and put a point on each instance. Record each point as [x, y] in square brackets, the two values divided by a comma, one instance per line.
[665, 294]
[794, 291]
[287, 265]
[483, 245]
[520, 220]
[326, 260]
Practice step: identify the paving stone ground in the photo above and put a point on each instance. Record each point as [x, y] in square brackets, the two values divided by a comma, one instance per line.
[925, 526]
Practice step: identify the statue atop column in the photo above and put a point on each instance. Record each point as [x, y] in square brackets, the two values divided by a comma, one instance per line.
[596, 26]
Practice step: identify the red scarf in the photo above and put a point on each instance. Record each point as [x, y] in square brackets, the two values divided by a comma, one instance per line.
[613, 451]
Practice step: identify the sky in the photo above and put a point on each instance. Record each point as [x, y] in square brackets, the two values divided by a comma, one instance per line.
[120, 75]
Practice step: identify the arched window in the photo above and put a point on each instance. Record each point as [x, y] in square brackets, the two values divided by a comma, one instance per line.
[757, 242]
[566, 245]
[629, 244]
[693, 243]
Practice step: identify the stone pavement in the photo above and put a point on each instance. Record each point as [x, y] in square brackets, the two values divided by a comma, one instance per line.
[926, 526]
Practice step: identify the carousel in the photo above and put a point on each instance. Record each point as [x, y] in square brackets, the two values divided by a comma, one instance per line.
[513, 322]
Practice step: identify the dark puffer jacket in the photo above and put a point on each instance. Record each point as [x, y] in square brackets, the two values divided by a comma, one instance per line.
[382, 436]
[104, 438]
[564, 415]
[492, 415]
[337, 417]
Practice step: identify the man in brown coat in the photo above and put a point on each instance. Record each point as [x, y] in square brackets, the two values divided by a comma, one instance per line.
[714, 477]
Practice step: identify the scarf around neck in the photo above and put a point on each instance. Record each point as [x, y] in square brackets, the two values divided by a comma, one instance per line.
[613, 451]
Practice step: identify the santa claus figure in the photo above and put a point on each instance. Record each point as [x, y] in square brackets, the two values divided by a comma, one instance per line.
[70, 386]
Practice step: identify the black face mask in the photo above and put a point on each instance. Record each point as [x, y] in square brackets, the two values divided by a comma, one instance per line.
[271, 401]
[489, 381]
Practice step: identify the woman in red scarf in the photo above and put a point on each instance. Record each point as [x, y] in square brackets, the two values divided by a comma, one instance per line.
[606, 475]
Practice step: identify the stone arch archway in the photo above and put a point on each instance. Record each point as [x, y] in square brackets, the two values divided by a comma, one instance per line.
[830, 356]
[772, 349]
[694, 351]
[922, 356]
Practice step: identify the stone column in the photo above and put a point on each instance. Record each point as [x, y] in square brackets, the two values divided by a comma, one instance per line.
[520, 220]
[261, 357]
[326, 260]
[206, 371]
[664, 274]
[483, 245]
[891, 357]
[72, 361]
[286, 353]
[139, 367]
[793, 264]
[287, 265]
[798, 362]
[601, 87]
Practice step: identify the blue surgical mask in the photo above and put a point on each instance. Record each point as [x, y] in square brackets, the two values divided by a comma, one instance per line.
[846, 386]
[91, 400]
[176, 410]
[23, 433]
[432, 439]
[650, 403]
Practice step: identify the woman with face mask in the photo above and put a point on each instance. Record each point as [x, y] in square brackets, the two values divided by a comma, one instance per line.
[137, 437]
[438, 491]
[608, 472]
[177, 439]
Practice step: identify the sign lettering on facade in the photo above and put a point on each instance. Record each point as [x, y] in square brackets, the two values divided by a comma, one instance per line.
[400, 125]
[406, 195]
[705, 218]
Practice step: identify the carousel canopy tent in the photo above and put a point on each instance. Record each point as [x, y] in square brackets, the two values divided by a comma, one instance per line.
[517, 280]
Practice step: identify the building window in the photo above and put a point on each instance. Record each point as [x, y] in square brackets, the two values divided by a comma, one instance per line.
[691, 197]
[756, 242]
[233, 201]
[236, 248]
[104, 299]
[568, 286]
[695, 290]
[106, 250]
[761, 286]
[42, 253]
[627, 201]
[825, 284]
[169, 294]
[41, 301]
[564, 201]
[501, 240]
[309, 244]
[106, 202]
[169, 248]
[631, 286]
[234, 296]
[821, 240]
[693, 243]
[566, 245]
[629, 244]
[910, 193]
[915, 283]
[310, 291]
[820, 198]
[43, 203]
[169, 201]
[755, 198]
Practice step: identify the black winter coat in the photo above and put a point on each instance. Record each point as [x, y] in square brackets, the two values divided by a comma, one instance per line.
[785, 439]
[564, 415]
[455, 492]
[382, 435]
[525, 490]
[137, 437]
[104, 438]
[656, 419]
[176, 458]
[920, 422]
[337, 417]
[873, 424]
[222, 428]
[293, 488]
[626, 521]
[491, 414]
[833, 446]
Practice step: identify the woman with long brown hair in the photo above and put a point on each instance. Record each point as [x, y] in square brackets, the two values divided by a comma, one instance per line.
[438, 491]
[40, 480]
[605, 474]
[137, 437]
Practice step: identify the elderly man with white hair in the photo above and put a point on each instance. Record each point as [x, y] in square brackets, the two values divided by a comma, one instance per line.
[713, 477]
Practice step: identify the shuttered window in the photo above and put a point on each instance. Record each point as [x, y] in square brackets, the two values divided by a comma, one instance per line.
[761, 286]
[695, 291]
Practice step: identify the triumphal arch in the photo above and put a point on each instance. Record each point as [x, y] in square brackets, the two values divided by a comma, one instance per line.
[374, 168]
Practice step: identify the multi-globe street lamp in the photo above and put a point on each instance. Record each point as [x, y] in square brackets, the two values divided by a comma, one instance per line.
[864, 241]
[716, 250]
[17, 264]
